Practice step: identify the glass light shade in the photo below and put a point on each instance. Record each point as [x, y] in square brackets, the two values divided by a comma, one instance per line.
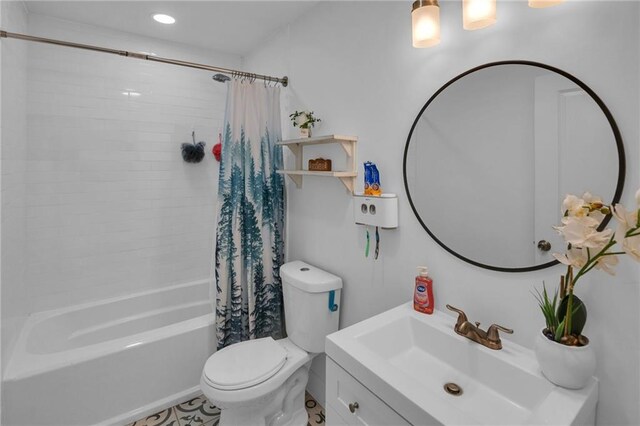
[478, 14]
[425, 21]
[539, 4]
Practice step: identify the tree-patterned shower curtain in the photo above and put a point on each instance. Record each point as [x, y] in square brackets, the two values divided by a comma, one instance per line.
[251, 214]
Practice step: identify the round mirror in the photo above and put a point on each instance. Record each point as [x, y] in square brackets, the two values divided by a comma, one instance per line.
[493, 153]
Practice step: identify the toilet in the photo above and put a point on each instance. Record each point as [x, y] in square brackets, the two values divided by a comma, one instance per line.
[263, 381]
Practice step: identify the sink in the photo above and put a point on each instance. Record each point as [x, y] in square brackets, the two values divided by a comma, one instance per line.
[406, 358]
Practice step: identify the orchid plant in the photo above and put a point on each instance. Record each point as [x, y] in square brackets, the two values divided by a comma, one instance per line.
[303, 119]
[589, 248]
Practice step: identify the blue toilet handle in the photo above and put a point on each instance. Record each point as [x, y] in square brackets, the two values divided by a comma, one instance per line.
[332, 298]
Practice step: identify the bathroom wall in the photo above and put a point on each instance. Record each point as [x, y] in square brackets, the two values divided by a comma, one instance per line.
[111, 206]
[13, 136]
[353, 65]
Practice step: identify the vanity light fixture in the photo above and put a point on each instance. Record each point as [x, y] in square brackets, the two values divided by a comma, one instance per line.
[539, 4]
[164, 19]
[477, 14]
[425, 22]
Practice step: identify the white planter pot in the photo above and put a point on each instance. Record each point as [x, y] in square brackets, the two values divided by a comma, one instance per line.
[566, 366]
[305, 133]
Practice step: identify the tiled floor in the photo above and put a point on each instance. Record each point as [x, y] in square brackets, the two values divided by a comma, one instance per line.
[199, 412]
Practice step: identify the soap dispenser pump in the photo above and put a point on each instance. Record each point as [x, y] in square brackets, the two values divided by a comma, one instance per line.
[423, 294]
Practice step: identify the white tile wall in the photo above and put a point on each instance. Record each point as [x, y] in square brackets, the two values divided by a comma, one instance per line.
[13, 129]
[111, 207]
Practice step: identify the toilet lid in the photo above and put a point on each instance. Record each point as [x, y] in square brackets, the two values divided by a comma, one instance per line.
[245, 364]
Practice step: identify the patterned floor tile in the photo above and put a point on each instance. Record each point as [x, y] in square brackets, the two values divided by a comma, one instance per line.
[163, 418]
[314, 410]
[196, 412]
[200, 412]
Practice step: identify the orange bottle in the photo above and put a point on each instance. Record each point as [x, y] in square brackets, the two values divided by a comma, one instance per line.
[423, 294]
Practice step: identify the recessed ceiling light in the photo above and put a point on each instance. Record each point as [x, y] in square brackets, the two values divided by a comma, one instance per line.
[164, 19]
[131, 93]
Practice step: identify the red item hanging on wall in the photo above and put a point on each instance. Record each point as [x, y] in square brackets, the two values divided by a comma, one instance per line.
[217, 148]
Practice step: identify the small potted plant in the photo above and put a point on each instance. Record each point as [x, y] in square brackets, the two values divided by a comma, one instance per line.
[305, 121]
[564, 354]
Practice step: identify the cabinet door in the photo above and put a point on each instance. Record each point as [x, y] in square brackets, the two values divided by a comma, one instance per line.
[332, 417]
[350, 403]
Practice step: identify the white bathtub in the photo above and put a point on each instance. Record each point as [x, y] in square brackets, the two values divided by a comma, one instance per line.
[112, 361]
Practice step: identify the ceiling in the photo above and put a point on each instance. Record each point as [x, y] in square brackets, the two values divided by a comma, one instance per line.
[227, 26]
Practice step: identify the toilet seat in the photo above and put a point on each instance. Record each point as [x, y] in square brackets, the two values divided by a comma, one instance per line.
[245, 364]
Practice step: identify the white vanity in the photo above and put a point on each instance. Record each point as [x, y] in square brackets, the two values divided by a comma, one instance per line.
[392, 369]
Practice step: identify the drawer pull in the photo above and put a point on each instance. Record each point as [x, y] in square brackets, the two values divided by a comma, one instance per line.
[353, 407]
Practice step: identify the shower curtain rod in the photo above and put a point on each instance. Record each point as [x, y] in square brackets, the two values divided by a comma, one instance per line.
[234, 73]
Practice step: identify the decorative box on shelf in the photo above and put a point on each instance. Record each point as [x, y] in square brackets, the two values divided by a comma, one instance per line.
[320, 165]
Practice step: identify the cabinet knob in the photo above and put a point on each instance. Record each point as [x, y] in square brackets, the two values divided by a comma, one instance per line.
[353, 407]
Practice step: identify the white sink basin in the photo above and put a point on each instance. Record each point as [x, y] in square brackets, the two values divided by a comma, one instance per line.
[406, 358]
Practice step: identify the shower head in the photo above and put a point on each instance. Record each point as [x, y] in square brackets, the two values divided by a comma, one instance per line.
[221, 78]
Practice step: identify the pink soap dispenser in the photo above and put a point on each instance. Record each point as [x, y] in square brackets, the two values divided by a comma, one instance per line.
[423, 294]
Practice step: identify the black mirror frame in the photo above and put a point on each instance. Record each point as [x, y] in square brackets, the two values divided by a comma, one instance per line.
[614, 127]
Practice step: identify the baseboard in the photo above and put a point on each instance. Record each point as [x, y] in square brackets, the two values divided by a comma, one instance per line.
[152, 408]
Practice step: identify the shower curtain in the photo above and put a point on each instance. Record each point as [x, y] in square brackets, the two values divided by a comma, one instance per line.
[251, 214]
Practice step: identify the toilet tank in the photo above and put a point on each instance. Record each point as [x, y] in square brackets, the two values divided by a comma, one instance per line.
[308, 314]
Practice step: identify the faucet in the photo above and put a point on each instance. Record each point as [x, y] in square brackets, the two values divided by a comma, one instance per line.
[489, 338]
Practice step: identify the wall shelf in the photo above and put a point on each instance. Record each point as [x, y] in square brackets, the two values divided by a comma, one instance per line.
[348, 144]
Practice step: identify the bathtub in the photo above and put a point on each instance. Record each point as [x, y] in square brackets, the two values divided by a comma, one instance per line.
[111, 361]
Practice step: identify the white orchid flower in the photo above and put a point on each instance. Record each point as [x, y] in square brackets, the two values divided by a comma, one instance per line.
[627, 221]
[573, 257]
[595, 206]
[574, 206]
[581, 232]
[591, 199]
[606, 264]
[631, 246]
[586, 221]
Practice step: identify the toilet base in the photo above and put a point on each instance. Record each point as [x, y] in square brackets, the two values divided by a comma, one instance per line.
[282, 407]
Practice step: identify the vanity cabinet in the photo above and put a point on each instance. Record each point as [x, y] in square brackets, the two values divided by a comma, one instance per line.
[349, 402]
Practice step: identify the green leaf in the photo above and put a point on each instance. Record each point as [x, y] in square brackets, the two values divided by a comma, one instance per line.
[579, 314]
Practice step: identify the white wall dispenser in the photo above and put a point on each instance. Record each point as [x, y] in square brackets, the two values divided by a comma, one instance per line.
[380, 211]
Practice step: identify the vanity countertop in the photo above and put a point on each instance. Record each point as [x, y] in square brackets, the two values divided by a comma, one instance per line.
[406, 358]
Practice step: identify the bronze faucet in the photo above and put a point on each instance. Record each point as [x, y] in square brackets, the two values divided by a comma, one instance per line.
[489, 338]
